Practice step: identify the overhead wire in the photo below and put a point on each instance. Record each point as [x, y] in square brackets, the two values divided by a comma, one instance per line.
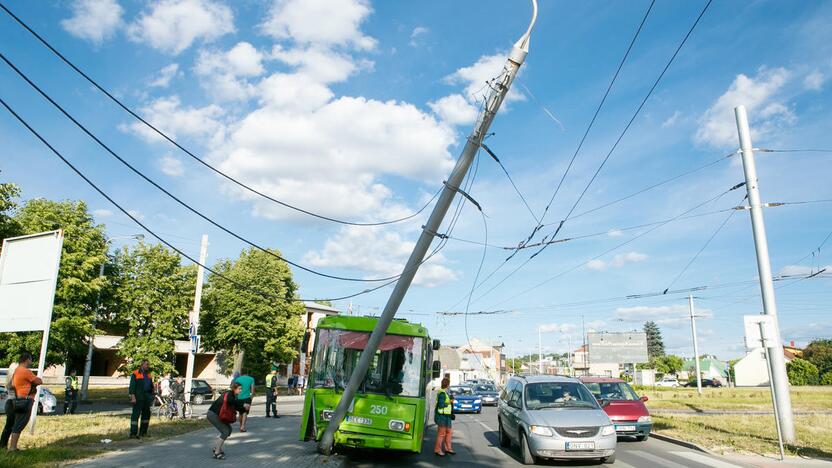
[196, 158]
[174, 197]
[508, 176]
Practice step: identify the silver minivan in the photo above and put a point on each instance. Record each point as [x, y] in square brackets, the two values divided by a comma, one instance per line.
[554, 417]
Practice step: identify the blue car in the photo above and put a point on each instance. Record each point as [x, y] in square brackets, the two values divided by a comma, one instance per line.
[465, 400]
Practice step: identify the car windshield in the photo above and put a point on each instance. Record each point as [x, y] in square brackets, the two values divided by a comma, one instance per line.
[460, 391]
[396, 368]
[486, 388]
[558, 395]
[618, 391]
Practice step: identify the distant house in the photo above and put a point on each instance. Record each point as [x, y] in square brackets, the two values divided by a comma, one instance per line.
[709, 367]
[752, 371]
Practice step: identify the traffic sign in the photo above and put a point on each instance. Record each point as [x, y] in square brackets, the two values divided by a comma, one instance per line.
[753, 325]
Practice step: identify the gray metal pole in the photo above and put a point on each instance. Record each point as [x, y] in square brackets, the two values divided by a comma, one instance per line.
[85, 384]
[777, 364]
[200, 275]
[771, 386]
[492, 105]
[539, 352]
[695, 345]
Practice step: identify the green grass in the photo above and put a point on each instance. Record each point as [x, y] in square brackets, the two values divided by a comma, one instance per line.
[735, 399]
[59, 439]
[94, 393]
[754, 434]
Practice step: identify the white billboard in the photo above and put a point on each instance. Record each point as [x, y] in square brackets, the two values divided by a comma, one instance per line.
[28, 274]
[615, 347]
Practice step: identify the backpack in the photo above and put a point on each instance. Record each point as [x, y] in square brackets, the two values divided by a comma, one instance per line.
[227, 413]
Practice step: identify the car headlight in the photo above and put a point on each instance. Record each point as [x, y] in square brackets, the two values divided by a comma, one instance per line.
[607, 430]
[645, 419]
[478, 400]
[541, 431]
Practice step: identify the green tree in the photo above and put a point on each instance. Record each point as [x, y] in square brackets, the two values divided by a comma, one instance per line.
[655, 344]
[83, 252]
[8, 225]
[819, 353]
[802, 372]
[153, 295]
[668, 364]
[826, 379]
[256, 330]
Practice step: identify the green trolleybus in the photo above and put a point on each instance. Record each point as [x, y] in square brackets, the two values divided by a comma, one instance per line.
[391, 408]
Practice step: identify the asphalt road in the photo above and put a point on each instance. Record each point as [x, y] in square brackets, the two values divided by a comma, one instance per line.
[475, 442]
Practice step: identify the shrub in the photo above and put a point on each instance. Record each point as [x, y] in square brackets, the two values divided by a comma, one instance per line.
[826, 379]
[802, 372]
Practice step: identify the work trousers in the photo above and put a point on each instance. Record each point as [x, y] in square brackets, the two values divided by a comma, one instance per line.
[444, 434]
[70, 401]
[271, 402]
[140, 409]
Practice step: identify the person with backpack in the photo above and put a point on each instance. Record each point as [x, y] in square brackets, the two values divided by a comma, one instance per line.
[271, 392]
[223, 412]
[22, 386]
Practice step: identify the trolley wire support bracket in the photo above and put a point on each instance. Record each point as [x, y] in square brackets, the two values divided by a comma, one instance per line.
[464, 194]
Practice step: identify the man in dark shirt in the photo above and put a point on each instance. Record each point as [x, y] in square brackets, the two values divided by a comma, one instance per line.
[141, 397]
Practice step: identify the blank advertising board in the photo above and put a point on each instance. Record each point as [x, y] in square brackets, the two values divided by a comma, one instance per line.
[621, 348]
[28, 273]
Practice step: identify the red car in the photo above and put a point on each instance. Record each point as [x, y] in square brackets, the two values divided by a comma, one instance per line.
[626, 409]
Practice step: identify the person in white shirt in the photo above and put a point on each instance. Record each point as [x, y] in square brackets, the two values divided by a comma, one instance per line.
[164, 387]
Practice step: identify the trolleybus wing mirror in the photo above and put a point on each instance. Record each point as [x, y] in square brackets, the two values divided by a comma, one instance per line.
[437, 369]
[436, 345]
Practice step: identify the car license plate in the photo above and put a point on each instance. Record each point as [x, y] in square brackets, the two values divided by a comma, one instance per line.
[625, 428]
[466, 406]
[580, 446]
[360, 420]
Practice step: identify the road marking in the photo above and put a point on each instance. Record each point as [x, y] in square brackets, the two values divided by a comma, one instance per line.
[623, 464]
[485, 425]
[704, 459]
[662, 462]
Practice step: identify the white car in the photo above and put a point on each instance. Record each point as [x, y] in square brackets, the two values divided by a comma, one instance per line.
[670, 382]
[48, 401]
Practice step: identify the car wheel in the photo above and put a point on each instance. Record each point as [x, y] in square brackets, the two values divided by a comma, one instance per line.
[199, 399]
[504, 440]
[642, 438]
[479, 411]
[526, 456]
[608, 460]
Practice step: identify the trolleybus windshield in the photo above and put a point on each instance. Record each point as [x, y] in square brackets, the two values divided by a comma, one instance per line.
[395, 370]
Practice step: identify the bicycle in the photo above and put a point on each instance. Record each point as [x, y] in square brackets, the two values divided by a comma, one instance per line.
[167, 408]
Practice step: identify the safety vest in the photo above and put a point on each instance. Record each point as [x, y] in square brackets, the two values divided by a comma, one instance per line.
[73, 382]
[447, 409]
[269, 379]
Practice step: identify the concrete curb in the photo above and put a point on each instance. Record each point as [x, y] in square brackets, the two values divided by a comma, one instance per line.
[680, 442]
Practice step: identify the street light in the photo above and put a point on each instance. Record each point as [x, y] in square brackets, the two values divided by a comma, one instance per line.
[88, 362]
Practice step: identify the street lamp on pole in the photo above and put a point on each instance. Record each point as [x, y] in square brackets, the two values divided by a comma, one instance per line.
[85, 384]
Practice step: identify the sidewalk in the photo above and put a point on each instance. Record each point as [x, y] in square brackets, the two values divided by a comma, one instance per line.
[731, 412]
[771, 461]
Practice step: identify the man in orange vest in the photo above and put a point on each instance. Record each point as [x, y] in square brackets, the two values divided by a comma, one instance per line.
[141, 397]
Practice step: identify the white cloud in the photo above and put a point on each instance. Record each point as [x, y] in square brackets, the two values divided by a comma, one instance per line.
[615, 233]
[172, 26]
[798, 270]
[617, 261]
[166, 74]
[814, 81]
[417, 32]
[168, 115]
[318, 64]
[759, 95]
[674, 316]
[475, 77]
[171, 165]
[136, 214]
[224, 74]
[567, 328]
[378, 252]
[454, 110]
[94, 20]
[671, 121]
[322, 22]
[102, 213]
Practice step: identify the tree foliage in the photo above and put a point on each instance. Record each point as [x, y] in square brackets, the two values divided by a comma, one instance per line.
[655, 344]
[238, 320]
[153, 295]
[78, 283]
[667, 364]
[8, 203]
[819, 353]
[826, 379]
[802, 372]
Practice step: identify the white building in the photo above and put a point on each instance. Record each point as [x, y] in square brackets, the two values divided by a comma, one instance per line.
[752, 370]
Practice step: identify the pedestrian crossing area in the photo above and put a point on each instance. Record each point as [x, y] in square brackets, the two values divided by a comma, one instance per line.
[670, 459]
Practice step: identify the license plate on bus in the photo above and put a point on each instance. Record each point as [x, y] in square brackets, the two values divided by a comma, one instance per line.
[625, 428]
[359, 420]
[580, 446]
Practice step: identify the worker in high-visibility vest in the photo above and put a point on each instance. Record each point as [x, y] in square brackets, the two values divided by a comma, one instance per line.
[71, 393]
[443, 417]
[271, 393]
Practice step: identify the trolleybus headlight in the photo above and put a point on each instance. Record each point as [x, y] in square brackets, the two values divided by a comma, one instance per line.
[326, 414]
[396, 425]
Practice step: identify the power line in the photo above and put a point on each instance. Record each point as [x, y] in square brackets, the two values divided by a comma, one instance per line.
[807, 150]
[194, 156]
[157, 236]
[516, 189]
[174, 197]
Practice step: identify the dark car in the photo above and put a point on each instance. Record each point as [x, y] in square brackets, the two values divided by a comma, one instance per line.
[488, 392]
[712, 383]
[201, 391]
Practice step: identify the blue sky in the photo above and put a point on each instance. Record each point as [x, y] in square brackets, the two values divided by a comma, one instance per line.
[357, 110]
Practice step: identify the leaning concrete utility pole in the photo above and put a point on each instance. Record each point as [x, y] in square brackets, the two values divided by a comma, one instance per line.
[777, 363]
[695, 345]
[194, 326]
[492, 104]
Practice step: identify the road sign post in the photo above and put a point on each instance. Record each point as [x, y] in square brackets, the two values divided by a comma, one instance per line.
[193, 330]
